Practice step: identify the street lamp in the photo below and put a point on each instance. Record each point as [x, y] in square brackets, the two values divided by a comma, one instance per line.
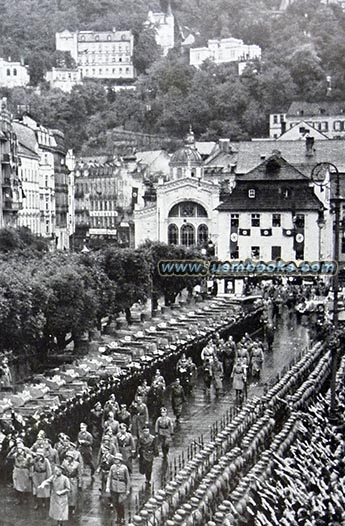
[318, 175]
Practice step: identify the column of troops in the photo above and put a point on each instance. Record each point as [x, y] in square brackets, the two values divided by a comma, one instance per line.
[121, 435]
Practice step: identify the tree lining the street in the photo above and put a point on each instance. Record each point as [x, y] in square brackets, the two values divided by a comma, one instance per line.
[49, 299]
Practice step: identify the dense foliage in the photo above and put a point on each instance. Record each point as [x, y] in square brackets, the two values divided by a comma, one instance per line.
[301, 47]
[49, 299]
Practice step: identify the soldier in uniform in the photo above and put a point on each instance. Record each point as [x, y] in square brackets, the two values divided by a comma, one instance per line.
[217, 376]
[146, 450]
[85, 443]
[164, 429]
[62, 445]
[96, 415]
[74, 471]
[111, 424]
[41, 470]
[156, 394]
[140, 415]
[6, 380]
[125, 444]
[59, 489]
[124, 416]
[118, 485]
[43, 443]
[22, 470]
[106, 456]
[110, 406]
[177, 399]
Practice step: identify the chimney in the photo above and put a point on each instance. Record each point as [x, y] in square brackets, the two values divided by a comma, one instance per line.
[224, 145]
[309, 144]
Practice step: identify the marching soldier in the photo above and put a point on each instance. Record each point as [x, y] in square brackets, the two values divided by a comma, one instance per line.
[164, 430]
[74, 471]
[85, 443]
[177, 399]
[140, 415]
[41, 470]
[147, 450]
[118, 485]
[126, 446]
[59, 489]
[22, 470]
[124, 416]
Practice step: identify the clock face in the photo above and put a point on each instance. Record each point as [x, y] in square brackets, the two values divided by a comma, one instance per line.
[320, 172]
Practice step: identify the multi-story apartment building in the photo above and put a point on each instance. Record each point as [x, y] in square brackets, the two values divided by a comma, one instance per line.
[103, 55]
[53, 183]
[11, 189]
[223, 51]
[29, 174]
[328, 117]
[106, 191]
[164, 28]
[13, 74]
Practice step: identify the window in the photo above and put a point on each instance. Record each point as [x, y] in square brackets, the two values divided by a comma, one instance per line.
[202, 234]
[300, 252]
[187, 235]
[235, 254]
[188, 209]
[299, 221]
[255, 251]
[338, 126]
[276, 253]
[255, 219]
[286, 192]
[251, 193]
[276, 220]
[8, 72]
[15, 72]
[275, 119]
[343, 245]
[97, 37]
[109, 37]
[234, 220]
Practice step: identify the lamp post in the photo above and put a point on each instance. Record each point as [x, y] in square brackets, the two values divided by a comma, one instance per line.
[318, 175]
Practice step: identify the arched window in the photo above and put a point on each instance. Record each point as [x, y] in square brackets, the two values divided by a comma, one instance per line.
[188, 209]
[202, 234]
[8, 72]
[172, 235]
[187, 235]
[14, 72]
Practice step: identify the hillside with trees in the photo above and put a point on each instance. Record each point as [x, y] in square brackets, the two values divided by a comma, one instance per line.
[301, 48]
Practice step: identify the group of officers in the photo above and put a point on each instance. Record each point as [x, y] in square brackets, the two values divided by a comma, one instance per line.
[55, 471]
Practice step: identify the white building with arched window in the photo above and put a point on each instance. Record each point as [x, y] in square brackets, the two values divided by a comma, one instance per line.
[13, 74]
[184, 212]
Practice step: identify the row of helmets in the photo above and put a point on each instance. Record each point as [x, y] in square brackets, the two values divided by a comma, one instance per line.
[226, 466]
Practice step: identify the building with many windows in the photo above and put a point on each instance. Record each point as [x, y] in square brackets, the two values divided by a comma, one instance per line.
[272, 213]
[103, 55]
[29, 216]
[327, 117]
[11, 188]
[13, 74]
[224, 51]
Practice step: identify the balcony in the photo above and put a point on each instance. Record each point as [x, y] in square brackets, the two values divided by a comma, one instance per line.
[11, 206]
[6, 183]
[6, 158]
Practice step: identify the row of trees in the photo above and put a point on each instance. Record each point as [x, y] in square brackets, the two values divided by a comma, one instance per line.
[48, 299]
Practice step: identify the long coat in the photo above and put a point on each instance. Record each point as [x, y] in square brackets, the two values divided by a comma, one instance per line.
[177, 399]
[22, 472]
[58, 509]
[238, 377]
[73, 470]
[41, 471]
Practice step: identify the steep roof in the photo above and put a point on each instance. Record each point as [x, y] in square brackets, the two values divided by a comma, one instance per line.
[251, 154]
[275, 168]
[299, 108]
[27, 142]
[308, 130]
[270, 197]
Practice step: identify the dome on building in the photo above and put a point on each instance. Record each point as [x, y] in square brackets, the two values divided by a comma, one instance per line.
[188, 154]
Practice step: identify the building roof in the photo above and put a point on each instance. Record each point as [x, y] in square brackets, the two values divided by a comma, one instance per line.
[275, 168]
[112, 35]
[251, 154]
[312, 109]
[27, 142]
[269, 197]
[307, 130]
[150, 156]
[188, 154]
[205, 148]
